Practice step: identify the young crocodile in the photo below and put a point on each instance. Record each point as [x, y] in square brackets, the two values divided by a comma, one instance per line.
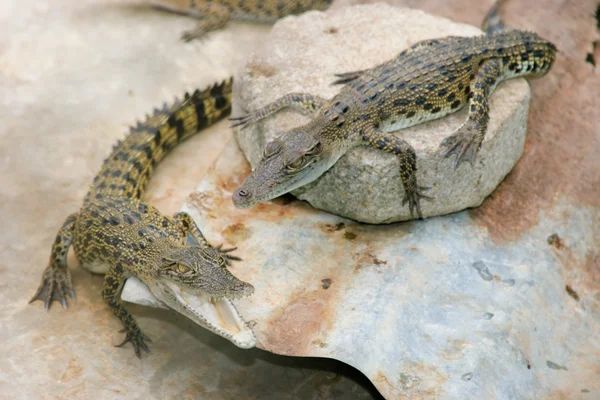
[426, 81]
[118, 234]
[214, 14]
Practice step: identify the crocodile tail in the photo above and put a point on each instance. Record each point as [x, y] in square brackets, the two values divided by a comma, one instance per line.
[492, 23]
[128, 168]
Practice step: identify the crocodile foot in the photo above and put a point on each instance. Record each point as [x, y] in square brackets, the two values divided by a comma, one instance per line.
[244, 121]
[464, 144]
[137, 339]
[413, 198]
[224, 253]
[56, 285]
[188, 36]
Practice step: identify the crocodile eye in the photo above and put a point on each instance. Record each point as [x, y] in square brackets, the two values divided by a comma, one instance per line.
[296, 164]
[272, 148]
[316, 149]
[221, 260]
[182, 269]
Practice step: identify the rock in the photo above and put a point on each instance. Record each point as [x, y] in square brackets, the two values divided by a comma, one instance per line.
[136, 291]
[303, 53]
[433, 308]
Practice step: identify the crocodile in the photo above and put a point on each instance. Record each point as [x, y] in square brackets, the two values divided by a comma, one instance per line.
[426, 81]
[215, 14]
[117, 234]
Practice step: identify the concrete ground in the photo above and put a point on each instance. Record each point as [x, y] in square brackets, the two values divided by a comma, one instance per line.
[73, 76]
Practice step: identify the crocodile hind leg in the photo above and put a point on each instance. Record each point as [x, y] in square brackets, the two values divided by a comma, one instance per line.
[113, 282]
[187, 226]
[466, 141]
[56, 281]
[213, 15]
[390, 143]
[305, 101]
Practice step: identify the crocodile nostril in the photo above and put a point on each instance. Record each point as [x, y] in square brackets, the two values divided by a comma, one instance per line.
[243, 193]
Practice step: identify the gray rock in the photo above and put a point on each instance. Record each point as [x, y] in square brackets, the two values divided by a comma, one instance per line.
[303, 53]
[407, 304]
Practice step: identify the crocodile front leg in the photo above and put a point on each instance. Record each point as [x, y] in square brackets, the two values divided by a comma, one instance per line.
[390, 143]
[187, 226]
[466, 141]
[215, 16]
[113, 282]
[56, 281]
[212, 14]
[307, 102]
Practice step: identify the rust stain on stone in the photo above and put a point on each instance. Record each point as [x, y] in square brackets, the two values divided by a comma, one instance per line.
[301, 324]
[591, 268]
[561, 151]
[261, 69]
[74, 370]
[236, 233]
[385, 386]
[231, 183]
[415, 382]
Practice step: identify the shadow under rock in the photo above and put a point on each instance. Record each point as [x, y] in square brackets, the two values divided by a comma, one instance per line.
[201, 362]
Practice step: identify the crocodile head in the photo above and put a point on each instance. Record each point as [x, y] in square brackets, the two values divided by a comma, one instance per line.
[195, 281]
[289, 162]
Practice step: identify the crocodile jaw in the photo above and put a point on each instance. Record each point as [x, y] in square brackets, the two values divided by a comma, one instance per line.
[218, 315]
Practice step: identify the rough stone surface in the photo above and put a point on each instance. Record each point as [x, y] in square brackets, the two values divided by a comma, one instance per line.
[426, 309]
[303, 54]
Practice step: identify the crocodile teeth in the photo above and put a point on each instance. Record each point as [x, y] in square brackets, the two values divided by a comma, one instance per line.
[218, 315]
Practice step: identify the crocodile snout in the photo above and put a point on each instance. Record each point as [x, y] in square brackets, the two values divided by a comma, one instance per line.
[242, 198]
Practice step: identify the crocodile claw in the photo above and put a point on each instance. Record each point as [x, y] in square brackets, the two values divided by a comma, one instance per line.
[137, 339]
[188, 36]
[56, 285]
[464, 145]
[228, 257]
[346, 77]
[242, 121]
[413, 198]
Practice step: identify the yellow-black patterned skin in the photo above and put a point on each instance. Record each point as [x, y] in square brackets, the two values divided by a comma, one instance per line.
[215, 14]
[424, 82]
[118, 234]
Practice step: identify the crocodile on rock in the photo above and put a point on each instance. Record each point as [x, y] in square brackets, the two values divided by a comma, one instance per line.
[426, 81]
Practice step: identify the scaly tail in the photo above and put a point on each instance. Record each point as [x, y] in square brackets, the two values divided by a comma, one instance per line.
[492, 22]
[127, 170]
